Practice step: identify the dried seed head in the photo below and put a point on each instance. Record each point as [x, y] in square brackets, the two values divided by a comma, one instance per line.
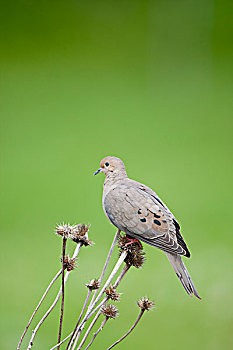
[79, 234]
[69, 263]
[64, 230]
[145, 304]
[135, 254]
[94, 284]
[112, 294]
[109, 310]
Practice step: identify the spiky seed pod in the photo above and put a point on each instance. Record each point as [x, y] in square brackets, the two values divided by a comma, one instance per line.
[135, 256]
[69, 263]
[109, 310]
[93, 284]
[145, 304]
[122, 240]
[79, 234]
[64, 230]
[82, 229]
[112, 294]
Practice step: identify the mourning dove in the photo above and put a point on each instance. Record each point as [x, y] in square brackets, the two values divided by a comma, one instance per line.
[138, 211]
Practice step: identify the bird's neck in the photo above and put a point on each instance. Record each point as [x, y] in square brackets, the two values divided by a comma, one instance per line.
[112, 180]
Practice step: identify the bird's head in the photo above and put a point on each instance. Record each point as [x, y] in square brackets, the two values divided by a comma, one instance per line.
[112, 167]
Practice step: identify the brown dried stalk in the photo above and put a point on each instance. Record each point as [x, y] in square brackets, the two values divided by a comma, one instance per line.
[100, 280]
[106, 264]
[87, 332]
[131, 329]
[97, 332]
[62, 290]
[88, 313]
[80, 316]
[134, 257]
[61, 342]
[76, 252]
[116, 284]
[145, 305]
[109, 311]
[79, 234]
[37, 307]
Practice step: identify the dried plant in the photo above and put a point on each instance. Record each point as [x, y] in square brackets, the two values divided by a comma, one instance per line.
[112, 294]
[110, 311]
[64, 230]
[135, 254]
[145, 305]
[98, 294]
[93, 285]
[69, 263]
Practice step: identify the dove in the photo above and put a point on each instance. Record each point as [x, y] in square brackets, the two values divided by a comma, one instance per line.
[138, 211]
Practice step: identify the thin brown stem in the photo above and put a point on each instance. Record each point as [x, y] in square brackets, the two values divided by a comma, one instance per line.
[113, 273]
[97, 332]
[80, 316]
[76, 252]
[116, 284]
[106, 264]
[37, 307]
[62, 290]
[131, 329]
[61, 342]
[122, 274]
[105, 300]
[88, 330]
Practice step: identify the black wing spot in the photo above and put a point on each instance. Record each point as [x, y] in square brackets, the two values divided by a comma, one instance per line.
[164, 221]
[139, 211]
[156, 216]
[143, 220]
[157, 222]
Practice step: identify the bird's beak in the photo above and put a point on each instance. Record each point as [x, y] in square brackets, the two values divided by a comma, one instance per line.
[97, 171]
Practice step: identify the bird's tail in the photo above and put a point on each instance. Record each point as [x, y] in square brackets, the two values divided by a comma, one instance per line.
[182, 274]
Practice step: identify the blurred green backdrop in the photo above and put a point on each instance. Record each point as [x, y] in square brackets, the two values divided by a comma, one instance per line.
[150, 82]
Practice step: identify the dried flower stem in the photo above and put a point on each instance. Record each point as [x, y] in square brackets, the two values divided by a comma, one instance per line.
[97, 332]
[37, 307]
[113, 273]
[122, 274]
[105, 300]
[89, 316]
[62, 290]
[80, 316]
[61, 342]
[116, 284]
[90, 307]
[89, 312]
[131, 329]
[77, 249]
[88, 330]
[106, 264]
[109, 311]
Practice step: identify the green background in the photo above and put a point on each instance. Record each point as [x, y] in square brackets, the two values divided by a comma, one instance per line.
[151, 83]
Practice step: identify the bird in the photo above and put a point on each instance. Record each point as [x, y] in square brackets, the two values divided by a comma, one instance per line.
[137, 210]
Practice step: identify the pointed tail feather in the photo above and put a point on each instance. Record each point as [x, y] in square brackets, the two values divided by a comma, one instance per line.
[182, 274]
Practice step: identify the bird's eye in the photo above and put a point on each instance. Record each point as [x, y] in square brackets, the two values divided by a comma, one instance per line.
[106, 164]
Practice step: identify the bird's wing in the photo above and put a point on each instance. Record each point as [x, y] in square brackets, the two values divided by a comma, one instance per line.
[141, 214]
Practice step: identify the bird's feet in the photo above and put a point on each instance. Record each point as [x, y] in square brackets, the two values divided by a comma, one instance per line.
[133, 240]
